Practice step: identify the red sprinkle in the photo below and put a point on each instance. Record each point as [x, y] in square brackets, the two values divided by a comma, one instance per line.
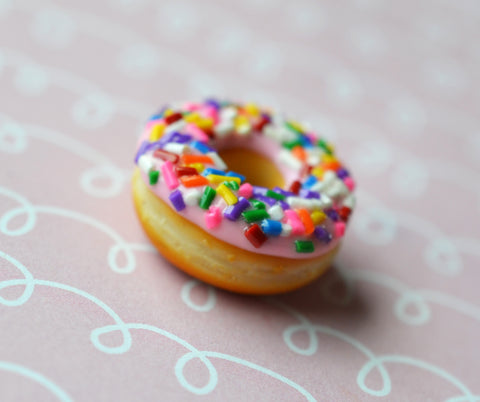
[295, 187]
[344, 213]
[166, 156]
[173, 118]
[258, 126]
[255, 235]
[185, 171]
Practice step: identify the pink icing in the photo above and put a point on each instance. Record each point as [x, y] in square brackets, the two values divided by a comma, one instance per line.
[232, 232]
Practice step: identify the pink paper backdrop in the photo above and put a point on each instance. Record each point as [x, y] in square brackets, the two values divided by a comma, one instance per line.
[88, 309]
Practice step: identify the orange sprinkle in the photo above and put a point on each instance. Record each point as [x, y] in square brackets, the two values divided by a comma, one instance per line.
[194, 181]
[189, 159]
[299, 153]
[334, 165]
[306, 220]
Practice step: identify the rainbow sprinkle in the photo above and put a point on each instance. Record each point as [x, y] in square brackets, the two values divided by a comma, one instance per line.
[179, 153]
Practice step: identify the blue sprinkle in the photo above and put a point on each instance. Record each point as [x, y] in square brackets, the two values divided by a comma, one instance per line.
[200, 146]
[311, 180]
[158, 115]
[240, 176]
[210, 170]
[306, 143]
[271, 227]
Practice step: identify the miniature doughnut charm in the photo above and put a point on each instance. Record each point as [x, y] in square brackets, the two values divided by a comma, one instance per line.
[240, 197]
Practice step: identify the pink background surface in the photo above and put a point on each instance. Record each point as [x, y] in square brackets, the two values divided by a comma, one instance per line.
[89, 311]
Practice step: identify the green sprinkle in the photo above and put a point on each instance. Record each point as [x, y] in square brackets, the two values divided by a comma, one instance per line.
[255, 215]
[323, 144]
[207, 197]
[292, 128]
[232, 185]
[153, 176]
[257, 204]
[291, 144]
[273, 194]
[304, 246]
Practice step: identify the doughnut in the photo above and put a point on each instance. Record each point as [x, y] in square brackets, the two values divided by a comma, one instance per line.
[239, 196]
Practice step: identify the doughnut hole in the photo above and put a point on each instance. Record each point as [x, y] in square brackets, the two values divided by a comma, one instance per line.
[257, 168]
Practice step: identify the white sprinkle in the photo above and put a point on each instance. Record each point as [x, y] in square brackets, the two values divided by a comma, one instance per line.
[176, 148]
[223, 128]
[325, 201]
[349, 201]
[338, 189]
[228, 113]
[145, 163]
[191, 197]
[219, 163]
[176, 126]
[286, 230]
[310, 204]
[319, 186]
[286, 157]
[276, 212]
[314, 156]
[329, 177]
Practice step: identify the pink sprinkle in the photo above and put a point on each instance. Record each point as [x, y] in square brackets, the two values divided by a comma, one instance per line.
[350, 183]
[294, 221]
[213, 217]
[210, 111]
[193, 130]
[191, 106]
[312, 137]
[169, 175]
[245, 190]
[339, 229]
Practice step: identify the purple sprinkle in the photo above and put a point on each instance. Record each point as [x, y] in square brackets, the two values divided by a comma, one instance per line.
[342, 173]
[333, 215]
[177, 200]
[267, 200]
[309, 194]
[213, 103]
[283, 192]
[322, 234]
[181, 138]
[166, 138]
[233, 212]
[141, 150]
[284, 205]
[266, 117]
[258, 190]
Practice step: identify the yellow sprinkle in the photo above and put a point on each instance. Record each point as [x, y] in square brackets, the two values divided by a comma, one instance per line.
[318, 172]
[240, 121]
[157, 132]
[217, 179]
[296, 125]
[227, 194]
[318, 217]
[168, 112]
[204, 124]
[252, 109]
[328, 158]
[198, 166]
[192, 118]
